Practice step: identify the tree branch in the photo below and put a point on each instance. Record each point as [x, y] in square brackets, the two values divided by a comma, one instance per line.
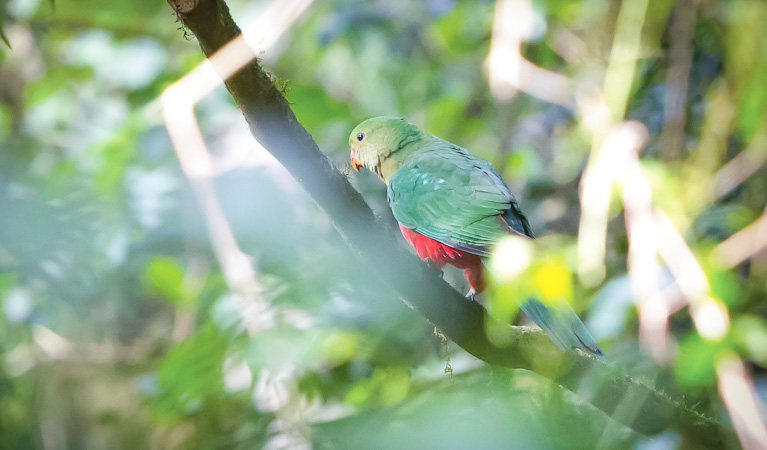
[274, 125]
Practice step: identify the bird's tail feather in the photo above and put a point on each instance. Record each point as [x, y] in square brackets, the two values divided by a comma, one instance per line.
[562, 325]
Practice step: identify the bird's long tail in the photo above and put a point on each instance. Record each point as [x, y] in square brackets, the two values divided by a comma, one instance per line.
[563, 326]
[560, 323]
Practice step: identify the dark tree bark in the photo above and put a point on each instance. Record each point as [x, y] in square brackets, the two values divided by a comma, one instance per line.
[274, 125]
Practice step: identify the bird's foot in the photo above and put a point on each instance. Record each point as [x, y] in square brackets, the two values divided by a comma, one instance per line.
[470, 295]
[433, 266]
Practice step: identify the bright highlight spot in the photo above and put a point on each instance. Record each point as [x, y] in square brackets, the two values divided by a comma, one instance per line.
[511, 257]
[711, 319]
[552, 281]
[237, 375]
[17, 305]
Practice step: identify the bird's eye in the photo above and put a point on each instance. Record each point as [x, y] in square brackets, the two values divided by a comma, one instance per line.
[360, 136]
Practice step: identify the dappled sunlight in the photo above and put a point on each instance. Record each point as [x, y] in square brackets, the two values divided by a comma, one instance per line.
[553, 281]
[515, 22]
[740, 397]
[169, 281]
[742, 245]
[271, 394]
[511, 257]
[711, 319]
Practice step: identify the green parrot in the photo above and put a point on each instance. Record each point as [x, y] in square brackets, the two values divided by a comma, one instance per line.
[452, 207]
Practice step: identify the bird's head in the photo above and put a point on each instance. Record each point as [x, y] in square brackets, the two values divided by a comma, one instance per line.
[375, 140]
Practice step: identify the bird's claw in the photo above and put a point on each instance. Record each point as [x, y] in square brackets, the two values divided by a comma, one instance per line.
[433, 266]
[470, 295]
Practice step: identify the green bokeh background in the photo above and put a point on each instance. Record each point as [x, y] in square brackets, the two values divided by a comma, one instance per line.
[117, 329]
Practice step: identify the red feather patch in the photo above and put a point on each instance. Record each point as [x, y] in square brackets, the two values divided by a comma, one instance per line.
[441, 254]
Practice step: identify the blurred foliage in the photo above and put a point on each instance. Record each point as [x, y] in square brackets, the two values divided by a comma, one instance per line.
[117, 329]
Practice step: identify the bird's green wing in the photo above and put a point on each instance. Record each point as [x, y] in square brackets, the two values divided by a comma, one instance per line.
[460, 200]
[456, 198]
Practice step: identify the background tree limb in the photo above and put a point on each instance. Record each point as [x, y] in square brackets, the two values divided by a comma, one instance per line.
[274, 125]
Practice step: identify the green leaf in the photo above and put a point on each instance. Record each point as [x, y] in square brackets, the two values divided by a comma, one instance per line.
[750, 331]
[3, 36]
[695, 366]
[165, 276]
[56, 78]
[724, 283]
[313, 107]
[387, 386]
[752, 104]
[191, 373]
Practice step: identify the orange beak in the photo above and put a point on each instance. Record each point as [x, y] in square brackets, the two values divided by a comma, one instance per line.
[356, 164]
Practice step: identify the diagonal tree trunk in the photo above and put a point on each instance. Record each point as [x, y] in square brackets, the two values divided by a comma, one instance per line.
[274, 125]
